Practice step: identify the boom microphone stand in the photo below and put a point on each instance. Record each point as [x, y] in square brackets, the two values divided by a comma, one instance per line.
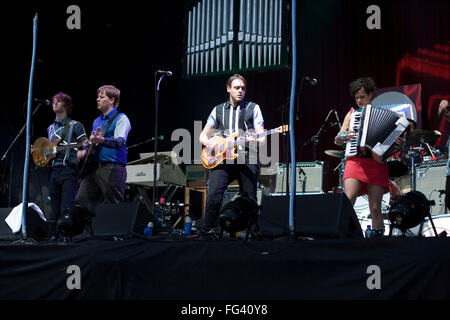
[11, 147]
[163, 73]
[315, 138]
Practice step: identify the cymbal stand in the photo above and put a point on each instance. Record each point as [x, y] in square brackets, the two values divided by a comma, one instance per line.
[413, 168]
[341, 167]
[431, 150]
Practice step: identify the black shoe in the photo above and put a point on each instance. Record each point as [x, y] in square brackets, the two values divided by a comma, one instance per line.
[208, 233]
[376, 232]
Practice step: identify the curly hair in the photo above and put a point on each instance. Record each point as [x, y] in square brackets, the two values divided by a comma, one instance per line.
[367, 83]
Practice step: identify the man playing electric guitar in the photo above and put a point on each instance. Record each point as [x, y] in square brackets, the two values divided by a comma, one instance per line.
[63, 182]
[227, 119]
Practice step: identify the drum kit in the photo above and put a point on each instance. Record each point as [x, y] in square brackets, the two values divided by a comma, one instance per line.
[401, 169]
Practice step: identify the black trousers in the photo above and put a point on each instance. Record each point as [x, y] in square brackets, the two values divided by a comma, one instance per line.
[219, 179]
[63, 185]
[105, 184]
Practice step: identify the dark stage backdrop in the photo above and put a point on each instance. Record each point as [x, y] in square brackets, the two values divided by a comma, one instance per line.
[124, 43]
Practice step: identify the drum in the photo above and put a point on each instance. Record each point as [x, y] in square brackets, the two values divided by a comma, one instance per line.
[397, 164]
[404, 183]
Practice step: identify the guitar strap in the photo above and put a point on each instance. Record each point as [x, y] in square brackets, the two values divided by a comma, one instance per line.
[108, 124]
[66, 128]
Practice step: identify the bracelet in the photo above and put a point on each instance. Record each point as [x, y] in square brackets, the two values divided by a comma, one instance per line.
[342, 135]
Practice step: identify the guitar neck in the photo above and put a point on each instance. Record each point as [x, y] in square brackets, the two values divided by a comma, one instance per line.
[68, 146]
[257, 136]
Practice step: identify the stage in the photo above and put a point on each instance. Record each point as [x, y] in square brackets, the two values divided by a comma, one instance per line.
[173, 268]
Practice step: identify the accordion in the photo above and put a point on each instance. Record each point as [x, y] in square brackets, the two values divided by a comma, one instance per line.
[376, 131]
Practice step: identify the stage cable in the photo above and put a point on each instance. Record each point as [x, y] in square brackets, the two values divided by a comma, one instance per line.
[27, 147]
[291, 117]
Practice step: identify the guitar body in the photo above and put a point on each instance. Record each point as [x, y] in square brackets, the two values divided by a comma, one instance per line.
[224, 149]
[43, 151]
[84, 165]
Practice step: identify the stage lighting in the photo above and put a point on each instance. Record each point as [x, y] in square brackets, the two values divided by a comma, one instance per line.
[238, 215]
[73, 221]
[409, 210]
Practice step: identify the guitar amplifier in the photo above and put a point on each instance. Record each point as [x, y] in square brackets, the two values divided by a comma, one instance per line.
[430, 180]
[196, 176]
[312, 177]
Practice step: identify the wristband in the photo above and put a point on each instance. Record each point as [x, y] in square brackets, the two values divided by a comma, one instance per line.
[342, 135]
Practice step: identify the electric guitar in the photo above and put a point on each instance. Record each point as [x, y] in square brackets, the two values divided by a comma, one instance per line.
[226, 147]
[44, 151]
[84, 165]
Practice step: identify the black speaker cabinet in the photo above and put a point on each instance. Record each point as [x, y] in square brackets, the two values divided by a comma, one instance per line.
[37, 228]
[318, 216]
[115, 219]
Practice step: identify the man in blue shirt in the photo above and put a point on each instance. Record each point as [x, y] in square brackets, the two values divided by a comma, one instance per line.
[63, 183]
[105, 180]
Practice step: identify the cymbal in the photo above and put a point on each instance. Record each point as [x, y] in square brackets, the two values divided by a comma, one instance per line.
[335, 153]
[422, 136]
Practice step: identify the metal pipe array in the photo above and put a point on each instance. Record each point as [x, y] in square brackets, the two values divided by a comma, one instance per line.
[211, 35]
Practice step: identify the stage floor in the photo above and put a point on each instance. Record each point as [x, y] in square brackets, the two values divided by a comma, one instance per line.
[176, 269]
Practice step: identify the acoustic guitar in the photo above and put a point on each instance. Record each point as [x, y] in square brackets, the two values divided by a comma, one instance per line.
[226, 147]
[44, 151]
[84, 165]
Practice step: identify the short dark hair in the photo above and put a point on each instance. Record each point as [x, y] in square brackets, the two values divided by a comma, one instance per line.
[234, 77]
[367, 83]
[66, 99]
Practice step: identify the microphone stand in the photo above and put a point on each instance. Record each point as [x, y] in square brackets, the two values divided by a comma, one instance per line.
[161, 137]
[10, 148]
[156, 140]
[20, 132]
[315, 138]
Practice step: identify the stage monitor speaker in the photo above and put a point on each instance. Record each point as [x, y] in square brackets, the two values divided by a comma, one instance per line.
[430, 180]
[115, 219]
[318, 216]
[37, 228]
[232, 193]
[312, 177]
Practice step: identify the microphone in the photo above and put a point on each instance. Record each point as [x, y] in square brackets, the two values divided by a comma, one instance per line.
[312, 81]
[166, 73]
[46, 101]
[337, 118]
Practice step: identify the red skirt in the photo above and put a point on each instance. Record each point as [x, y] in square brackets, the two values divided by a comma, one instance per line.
[368, 171]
